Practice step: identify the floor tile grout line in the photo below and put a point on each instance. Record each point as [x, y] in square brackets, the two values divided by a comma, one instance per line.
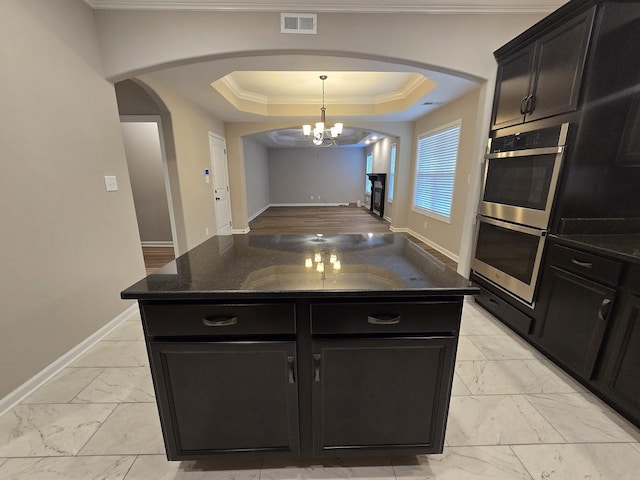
[521, 462]
[130, 467]
[97, 429]
[543, 416]
[87, 385]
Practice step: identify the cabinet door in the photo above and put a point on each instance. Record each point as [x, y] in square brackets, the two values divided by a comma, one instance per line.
[381, 394]
[573, 326]
[560, 58]
[513, 84]
[226, 397]
[625, 379]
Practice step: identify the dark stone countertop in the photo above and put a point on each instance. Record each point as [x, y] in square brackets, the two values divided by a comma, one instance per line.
[272, 266]
[622, 246]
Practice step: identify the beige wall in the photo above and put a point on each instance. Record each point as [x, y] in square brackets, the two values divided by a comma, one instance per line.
[68, 246]
[138, 41]
[449, 235]
[190, 127]
[146, 173]
[256, 162]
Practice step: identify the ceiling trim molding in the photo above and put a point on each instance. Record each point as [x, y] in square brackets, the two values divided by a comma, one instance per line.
[242, 94]
[414, 82]
[204, 5]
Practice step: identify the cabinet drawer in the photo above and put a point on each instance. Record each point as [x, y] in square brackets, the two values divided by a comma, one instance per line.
[603, 270]
[508, 314]
[385, 317]
[227, 319]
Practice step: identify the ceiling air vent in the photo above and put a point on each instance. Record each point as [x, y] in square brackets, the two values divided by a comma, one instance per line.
[299, 23]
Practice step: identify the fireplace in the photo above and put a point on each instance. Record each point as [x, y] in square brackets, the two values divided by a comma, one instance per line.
[378, 195]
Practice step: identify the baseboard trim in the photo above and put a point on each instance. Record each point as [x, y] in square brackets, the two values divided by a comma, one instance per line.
[433, 244]
[157, 244]
[398, 229]
[56, 366]
[240, 231]
[258, 213]
[309, 205]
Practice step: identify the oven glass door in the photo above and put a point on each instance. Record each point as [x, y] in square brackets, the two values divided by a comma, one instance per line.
[509, 256]
[519, 186]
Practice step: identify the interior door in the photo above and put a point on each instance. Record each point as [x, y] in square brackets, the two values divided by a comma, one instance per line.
[218, 150]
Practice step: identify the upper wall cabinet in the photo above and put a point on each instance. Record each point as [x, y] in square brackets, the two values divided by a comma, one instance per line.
[543, 78]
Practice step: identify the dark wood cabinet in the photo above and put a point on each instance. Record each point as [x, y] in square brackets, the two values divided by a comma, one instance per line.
[620, 379]
[303, 377]
[226, 397]
[575, 319]
[576, 297]
[381, 393]
[624, 375]
[543, 78]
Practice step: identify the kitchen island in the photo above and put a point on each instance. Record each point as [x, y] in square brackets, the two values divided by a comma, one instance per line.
[302, 346]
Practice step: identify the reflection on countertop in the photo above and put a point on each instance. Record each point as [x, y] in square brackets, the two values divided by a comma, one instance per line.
[271, 264]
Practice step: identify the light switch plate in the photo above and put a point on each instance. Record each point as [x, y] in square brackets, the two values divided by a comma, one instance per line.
[110, 183]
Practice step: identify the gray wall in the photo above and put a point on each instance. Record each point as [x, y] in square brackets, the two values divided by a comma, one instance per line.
[68, 246]
[334, 174]
[256, 166]
[146, 171]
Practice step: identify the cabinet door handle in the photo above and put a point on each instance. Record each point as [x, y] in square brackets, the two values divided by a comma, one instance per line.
[604, 309]
[291, 361]
[523, 105]
[384, 319]
[317, 357]
[219, 322]
[531, 104]
[582, 264]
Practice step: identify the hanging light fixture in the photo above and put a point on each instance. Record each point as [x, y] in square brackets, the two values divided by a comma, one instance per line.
[323, 136]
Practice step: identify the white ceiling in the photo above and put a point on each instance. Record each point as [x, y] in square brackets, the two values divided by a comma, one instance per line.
[291, 79]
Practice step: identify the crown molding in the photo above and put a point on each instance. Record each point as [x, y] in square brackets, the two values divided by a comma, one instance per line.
[243, 94]
[378, 6]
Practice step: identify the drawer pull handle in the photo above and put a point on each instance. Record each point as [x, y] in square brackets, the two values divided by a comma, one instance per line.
[582, 264]
[220, 322]
[604, 309]
[291, 361]
[494, 301]
[317, 357]
[391, 319]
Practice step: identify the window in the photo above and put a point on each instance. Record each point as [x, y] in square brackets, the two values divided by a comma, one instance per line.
[392, 172]
[436, 171]
[368, 169]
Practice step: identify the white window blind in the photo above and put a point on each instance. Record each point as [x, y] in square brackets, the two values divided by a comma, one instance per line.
[436, 171]
[392, 172]
[368, 169]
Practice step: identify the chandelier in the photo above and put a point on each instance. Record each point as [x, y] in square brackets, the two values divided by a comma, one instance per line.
[323, 136]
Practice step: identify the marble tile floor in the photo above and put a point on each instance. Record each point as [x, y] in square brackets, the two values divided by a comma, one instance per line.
[513, 415]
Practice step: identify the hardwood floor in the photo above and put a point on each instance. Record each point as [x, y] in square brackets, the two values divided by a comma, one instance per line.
[303, 220]
[156, 257]
[277, 220]
[295, 220]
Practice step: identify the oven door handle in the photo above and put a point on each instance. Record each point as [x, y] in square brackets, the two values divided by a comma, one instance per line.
[526, 153]
[512, 226]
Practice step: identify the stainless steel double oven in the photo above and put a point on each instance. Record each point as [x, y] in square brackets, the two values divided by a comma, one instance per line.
[520, 181]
